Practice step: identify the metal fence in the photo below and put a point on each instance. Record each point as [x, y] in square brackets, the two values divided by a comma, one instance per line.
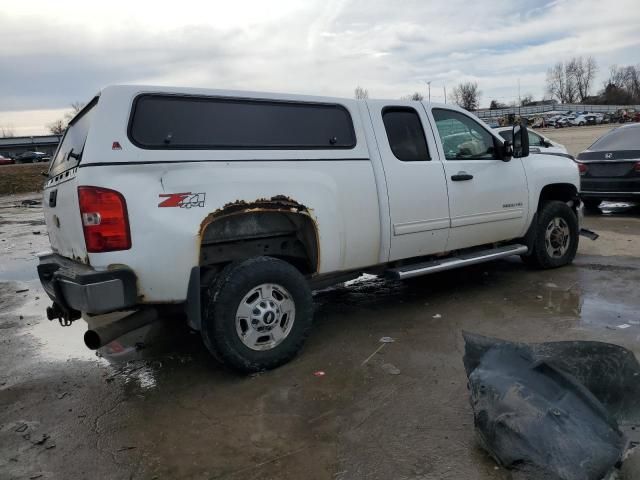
[485, 113]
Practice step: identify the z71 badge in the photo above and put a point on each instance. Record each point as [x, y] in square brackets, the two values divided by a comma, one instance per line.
[182, 200]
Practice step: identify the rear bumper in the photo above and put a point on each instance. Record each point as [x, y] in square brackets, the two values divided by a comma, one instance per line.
[78, 287]
[612, 195]
[610, 188]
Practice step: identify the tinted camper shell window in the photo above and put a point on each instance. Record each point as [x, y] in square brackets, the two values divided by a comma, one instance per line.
[172, 122]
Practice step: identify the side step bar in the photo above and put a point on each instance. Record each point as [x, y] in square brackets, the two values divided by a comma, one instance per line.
[464, 260]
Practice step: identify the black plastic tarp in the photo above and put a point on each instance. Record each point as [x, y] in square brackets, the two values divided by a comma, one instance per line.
[553, 410]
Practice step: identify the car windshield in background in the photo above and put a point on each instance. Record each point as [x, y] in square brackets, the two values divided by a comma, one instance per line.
[622, 138]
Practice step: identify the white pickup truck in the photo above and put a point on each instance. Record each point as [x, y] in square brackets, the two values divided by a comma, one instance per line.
[231, 207]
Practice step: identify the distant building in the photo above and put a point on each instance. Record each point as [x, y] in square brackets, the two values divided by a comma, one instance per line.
[14, 146]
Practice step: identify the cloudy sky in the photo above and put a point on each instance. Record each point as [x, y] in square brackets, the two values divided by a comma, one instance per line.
[53, 53]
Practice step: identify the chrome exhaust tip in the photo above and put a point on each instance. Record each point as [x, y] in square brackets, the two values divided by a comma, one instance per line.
[100, 336]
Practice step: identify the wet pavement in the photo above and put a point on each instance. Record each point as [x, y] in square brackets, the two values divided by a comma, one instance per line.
[155, 405]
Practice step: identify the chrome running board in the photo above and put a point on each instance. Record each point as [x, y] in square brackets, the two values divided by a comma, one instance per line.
[408, 271]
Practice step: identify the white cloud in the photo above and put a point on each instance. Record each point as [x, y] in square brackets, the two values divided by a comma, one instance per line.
[54, 53]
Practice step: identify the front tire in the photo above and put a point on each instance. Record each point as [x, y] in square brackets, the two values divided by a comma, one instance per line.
[556, 237]
[257, 314]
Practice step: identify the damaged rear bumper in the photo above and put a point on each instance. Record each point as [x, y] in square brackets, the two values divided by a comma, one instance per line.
[75, 287]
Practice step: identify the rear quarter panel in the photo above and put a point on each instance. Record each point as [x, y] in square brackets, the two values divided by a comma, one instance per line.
[338, 187]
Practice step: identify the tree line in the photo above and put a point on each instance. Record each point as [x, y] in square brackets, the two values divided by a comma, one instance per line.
[571, 81]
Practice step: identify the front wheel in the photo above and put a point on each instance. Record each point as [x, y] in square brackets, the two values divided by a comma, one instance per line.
[556, 237]
[257, 314]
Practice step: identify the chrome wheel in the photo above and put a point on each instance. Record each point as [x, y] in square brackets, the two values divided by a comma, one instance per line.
[557, 237]
[265, 316]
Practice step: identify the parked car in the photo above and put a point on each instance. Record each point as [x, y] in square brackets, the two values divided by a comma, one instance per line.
[583, 119]
[610, 168]
[538, 143]
[32, 157]
[551, 121]
[232, 207]
[561, 122]
[5, 160]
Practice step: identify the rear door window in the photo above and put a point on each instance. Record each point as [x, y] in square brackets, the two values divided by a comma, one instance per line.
[405, 134]
[209, 123]
[70, 150]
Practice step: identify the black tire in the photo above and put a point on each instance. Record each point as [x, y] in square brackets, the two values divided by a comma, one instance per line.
[223, 298]
[539, 257]
[591, 203]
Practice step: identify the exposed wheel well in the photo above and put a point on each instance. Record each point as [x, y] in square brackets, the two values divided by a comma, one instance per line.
[565, 192]
[285, 234]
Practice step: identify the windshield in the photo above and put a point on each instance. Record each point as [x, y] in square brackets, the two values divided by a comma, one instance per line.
[623, 138]
[70, 149]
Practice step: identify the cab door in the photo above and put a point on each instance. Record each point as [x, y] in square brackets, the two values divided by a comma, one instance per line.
[416, 185]
[488, 198]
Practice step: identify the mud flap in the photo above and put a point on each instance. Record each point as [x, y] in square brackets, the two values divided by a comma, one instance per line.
[553, 410]
[192, 306]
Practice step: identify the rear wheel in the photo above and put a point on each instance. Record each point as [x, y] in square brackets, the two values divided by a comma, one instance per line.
[556, 237]
[257, 314]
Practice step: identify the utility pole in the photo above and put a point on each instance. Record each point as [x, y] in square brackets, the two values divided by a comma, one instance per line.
[445, 93]
[429, 85]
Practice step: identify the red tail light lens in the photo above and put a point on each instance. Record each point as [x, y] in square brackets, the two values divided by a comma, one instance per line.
[637, 167]
[104, 219]
[582, 168]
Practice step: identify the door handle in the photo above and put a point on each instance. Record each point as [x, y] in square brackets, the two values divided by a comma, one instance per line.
[461, 177]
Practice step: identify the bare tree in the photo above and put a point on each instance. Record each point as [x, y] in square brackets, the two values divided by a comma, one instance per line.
[7, 132]
[361, 93]
[76, 107]
[58, 127]
[561, 81]
[496, 105]
[526, 100]
[414, 96]
[623, 85]
[579, 76]
[590, 71]
[467, 95]
[556, 81]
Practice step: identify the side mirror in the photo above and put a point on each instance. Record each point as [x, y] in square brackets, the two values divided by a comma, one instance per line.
[507, 151]
[520, 141]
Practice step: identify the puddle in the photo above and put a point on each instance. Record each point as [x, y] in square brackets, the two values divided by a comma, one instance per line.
[19, 270]
[597, 311]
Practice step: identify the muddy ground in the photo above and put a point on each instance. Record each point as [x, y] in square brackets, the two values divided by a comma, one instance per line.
[22, 178]
[155, 405]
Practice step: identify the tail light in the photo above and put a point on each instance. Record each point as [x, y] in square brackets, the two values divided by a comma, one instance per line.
[104, 219]
[636, 168]
[582, 168]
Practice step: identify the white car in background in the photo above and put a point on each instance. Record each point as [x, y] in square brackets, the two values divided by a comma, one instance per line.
[537, 143]
[586, 119]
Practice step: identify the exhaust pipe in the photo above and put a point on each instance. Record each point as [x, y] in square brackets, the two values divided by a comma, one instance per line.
[101, 336]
